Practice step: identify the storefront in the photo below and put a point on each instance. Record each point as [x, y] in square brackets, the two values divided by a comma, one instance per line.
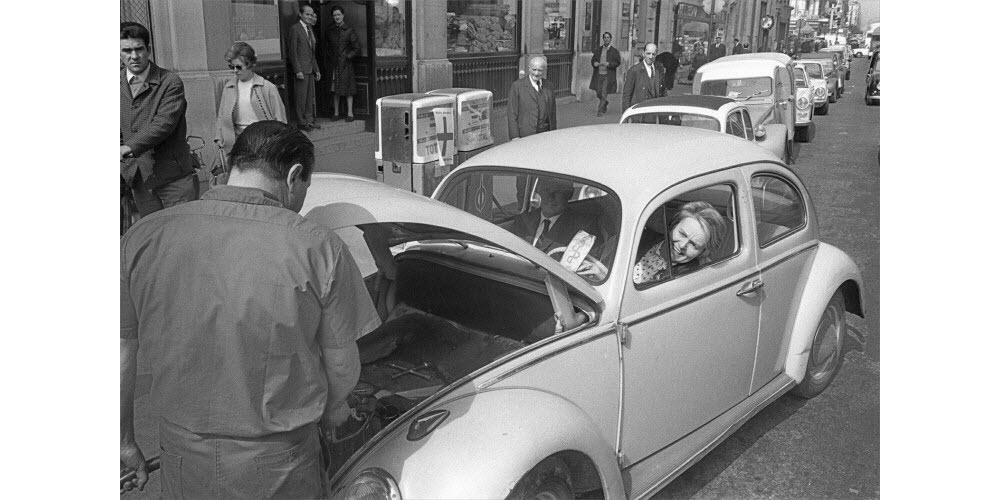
[483, 44]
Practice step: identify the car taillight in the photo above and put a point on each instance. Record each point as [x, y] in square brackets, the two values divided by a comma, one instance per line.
[802, 103]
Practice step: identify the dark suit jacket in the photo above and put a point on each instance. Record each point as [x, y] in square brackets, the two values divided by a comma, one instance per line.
[301, 54]
[716, 51]
[614, 60]
[639, 86]
[153, 124]
[560, 234]
[528, 110]
[670, 64]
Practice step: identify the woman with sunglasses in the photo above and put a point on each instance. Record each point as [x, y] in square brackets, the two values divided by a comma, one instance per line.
[246, 99]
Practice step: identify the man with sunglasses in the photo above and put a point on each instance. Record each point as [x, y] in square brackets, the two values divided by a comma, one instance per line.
[156, 160]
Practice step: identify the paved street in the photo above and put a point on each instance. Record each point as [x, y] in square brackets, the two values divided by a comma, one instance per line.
[827, 447]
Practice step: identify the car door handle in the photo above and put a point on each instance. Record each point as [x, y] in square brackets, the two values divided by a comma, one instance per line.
[750, 287]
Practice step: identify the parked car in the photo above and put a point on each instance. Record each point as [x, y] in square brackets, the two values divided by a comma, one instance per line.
[804, 105]
[824, 89]
[845, 57]
[719, 114]
[873, 82]
[861, 52]
[763, 81]
[543, 376]
[830, 62]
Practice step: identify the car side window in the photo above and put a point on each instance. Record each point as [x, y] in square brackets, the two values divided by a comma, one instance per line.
[734, 125]
[687, 233]
[778, 208]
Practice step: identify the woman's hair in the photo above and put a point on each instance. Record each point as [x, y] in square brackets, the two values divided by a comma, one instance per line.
[709, 218]
[242, 50]
[336, 8]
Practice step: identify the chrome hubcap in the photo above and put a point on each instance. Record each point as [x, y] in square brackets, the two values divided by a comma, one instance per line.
[827, 344]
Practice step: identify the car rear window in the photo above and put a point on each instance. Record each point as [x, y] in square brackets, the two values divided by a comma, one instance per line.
[737, 88]
[678, 119]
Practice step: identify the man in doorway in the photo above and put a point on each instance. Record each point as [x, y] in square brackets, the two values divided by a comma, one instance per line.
[717, 50]
[737, 48]
[155, 158]
[254, 313]
[604, 81]
[302, 59]
[642, 81]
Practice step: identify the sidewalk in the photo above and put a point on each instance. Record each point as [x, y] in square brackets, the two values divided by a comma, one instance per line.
[355, 154]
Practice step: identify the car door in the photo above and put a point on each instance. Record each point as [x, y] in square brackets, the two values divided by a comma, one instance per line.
[690, 339]
[785, 243]
[785, 98]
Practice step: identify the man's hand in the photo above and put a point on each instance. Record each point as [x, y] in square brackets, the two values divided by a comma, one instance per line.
[317, 76]
[126, 150]
[596, 64]
[335, 415]
[133, 460]
[300, 76]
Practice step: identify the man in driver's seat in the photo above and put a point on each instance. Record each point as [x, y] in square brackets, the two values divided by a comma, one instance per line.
[554, 223]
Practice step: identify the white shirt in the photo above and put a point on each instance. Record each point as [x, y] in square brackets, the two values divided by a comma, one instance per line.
[244, 114]
[537, 85]
[143, 75]
[649, 69]
[541, 225]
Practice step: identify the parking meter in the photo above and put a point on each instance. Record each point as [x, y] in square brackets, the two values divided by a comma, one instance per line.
[473, 134]
[415, 140]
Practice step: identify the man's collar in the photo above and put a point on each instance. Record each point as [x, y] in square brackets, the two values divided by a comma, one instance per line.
[144, 75]
[239, 194]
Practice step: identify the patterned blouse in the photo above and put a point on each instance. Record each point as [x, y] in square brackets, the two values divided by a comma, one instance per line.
[653, 267]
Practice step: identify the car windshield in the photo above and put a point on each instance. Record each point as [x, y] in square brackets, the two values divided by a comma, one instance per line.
[800, 79]
[738, 88]
[814, 70]
[679, 119]
[573, 220]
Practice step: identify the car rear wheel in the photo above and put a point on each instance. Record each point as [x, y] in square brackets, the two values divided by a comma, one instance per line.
[824, 109]
[549, 480]
[827, 351]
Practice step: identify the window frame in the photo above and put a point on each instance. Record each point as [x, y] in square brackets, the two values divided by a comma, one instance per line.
[791, 230]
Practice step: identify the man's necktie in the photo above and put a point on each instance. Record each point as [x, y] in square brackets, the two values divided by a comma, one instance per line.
[545, 230]
[312, 41]
[136, 84]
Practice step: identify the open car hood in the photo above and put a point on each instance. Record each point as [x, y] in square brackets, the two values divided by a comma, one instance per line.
[338, 201]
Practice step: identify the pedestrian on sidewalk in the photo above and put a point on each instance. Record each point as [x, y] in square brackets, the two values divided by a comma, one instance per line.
[254, 312]
[341, 46]
[642, 81]
[737, 48]
[669, 63]
[156, 160]
[246, 99]
[697, 61]
[531, 109]
[717, 50]
[604, 81]
[302, 59]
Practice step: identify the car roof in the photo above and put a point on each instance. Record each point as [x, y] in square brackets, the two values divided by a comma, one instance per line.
[817, 55]
[696, 101]
[663, 154]
[770, 56]
[722, 68]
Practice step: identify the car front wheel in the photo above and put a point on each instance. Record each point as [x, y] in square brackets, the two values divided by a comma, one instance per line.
[827, 350]
[832, 97]
[824, 109]
[549, 480]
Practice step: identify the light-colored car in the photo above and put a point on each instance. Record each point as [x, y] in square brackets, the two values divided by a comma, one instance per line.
[823, 88]
[845, 57]
[861, 51]
[719, 114]
[831, 62]
[804, 105]
[501, 371]
[762, 81]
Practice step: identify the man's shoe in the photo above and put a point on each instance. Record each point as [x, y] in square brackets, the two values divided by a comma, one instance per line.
[349, 119]
[315, 126]
[304, 128]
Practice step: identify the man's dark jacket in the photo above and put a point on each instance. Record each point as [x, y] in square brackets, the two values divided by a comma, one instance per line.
[529, 111]
[153, 124]
[614, 60]
[716, 51]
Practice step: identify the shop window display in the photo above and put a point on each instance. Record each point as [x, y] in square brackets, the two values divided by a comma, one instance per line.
[557, 19]
[482, 26]
[390, 28]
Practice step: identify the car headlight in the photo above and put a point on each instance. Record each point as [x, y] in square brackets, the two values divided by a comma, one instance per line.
[802, 102]
[819, 92]
[759, 133]
[374, 484]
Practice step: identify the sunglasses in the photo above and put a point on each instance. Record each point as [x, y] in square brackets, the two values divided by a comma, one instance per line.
[237, 67]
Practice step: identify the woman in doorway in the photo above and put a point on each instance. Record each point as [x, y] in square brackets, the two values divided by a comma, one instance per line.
[247, 98]
[341, 46]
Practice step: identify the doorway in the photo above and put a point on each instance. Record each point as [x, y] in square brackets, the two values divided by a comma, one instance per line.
[359, 16]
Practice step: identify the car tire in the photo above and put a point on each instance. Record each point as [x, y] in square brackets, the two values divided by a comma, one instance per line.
[847, 76]
[868, 100]
[827, 351]
[824, 109]
[832, 97]
[549, 480]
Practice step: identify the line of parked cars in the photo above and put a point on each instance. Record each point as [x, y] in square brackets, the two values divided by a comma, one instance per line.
[516, 365]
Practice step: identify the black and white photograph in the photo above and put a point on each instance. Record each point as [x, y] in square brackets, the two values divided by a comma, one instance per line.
[504, 249]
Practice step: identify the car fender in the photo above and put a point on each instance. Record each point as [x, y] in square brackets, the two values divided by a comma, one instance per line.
[774, 138]
[488, 442]
[830, 269]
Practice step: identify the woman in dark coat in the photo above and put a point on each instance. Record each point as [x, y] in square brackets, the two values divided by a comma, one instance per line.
[341, 46]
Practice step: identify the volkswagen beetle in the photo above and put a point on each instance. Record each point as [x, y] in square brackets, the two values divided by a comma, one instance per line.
[506, 368]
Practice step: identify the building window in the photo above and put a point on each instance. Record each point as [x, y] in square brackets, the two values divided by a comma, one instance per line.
[482, 27]
[256, 22]
[390, 28]
[558, 22]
